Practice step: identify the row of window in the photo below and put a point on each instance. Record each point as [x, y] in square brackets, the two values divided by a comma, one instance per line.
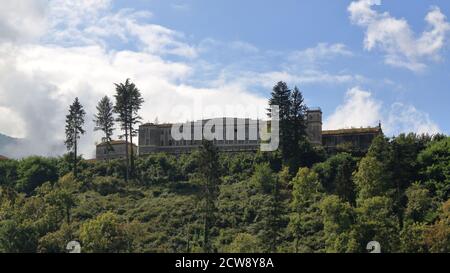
[197, 142]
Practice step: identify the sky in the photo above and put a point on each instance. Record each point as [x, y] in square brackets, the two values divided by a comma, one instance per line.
[362, 61]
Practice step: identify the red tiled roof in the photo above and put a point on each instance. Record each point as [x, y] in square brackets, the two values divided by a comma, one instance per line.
[3, 157]
[115, 142]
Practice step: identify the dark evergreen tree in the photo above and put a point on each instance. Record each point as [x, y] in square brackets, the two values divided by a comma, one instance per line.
[104, 120]
[209, 180]
[297, 116]
[121, 108]
[281, 97]
[271, 210]
[292, 116]
[128, 102]
[136, 102]
[74, 129]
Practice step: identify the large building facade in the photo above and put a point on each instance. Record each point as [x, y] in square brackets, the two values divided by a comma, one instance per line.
[155, 138]
[231, 135]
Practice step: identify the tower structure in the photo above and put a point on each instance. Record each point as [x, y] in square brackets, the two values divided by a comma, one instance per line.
[314, 125]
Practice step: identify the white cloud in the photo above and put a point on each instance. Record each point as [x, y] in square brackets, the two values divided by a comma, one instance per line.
[244, 47]
[180, 6]
[39, 80]
[395, 37]
[52, 76]
[160, 40]
[305, 77]
[321, 52]
[12, 125]
[90, 22]
[22, 20]
[406, 118]
[361, 109]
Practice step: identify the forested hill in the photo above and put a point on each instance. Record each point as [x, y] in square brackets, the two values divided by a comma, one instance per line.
[397, 194]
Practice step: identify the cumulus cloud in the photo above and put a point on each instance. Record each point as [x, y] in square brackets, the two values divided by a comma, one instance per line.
[39, 80]
[48, 78]
[395, 38]
[361, 109]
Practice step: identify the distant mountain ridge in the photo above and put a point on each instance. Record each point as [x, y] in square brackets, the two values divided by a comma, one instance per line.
[6, 141]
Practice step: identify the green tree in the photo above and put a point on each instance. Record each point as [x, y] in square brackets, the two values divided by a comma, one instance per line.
[104, 120]
[264, 179]
[64, 200]
[381, 150]
[35, 171]
[281, 97]
[376, 221]
[17, 238]
[412, 238]
[136, 102]
[292, 112]
[104, 234]
[56, 241]
[8, 172]
[305, 221]
[437, 237]
[74, 128]
[128, 103]
[338, 219]
[371, 179]
[419, 203]
[434, 164]
[336, 176]
[296, 130]
[405, 149]
[267, 184]
[244, 243]
[209, 180]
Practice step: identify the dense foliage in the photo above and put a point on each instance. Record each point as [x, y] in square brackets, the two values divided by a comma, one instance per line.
[397, 194]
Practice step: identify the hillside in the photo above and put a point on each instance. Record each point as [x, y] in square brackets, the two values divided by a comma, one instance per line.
[398, 194]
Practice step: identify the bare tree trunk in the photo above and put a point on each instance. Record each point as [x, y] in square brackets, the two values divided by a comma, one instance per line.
[126, 154]
[75, 171]
[132, 152]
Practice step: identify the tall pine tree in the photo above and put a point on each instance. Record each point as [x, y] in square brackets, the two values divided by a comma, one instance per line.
[128, 103]
[104, 120]
[292, 121]
[281, 97]
[74, 129]
[209, 180]
[136, 102]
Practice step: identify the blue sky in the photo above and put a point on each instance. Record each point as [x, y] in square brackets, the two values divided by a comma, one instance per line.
[361, 61]
[291, 25]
